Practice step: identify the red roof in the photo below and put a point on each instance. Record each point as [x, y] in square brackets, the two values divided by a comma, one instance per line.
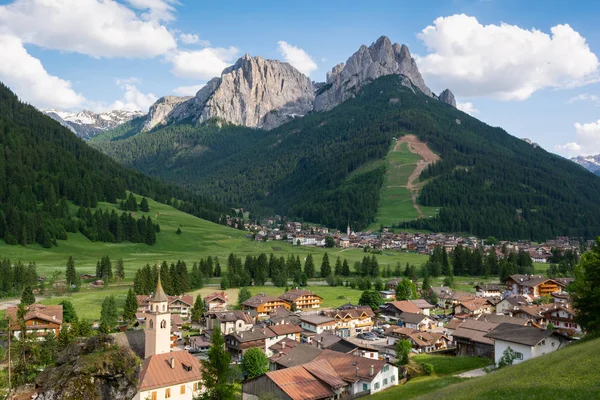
[157, 371]
[299, 384]
[53, 314]
[285, 329]
[406, 306]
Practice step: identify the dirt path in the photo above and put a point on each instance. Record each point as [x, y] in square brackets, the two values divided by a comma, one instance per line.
[415, 146]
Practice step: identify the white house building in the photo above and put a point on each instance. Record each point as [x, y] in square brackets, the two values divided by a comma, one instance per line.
[165, 374]
[528, 342]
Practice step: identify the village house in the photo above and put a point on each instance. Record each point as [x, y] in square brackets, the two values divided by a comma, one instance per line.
[534, 312]
[477, 306]
[165, 374]
[181, 305]
[289, 353]
[216, 301]
[176, 325]
[532, 285]
[351, 320]
[263, 304]
[489, 290]
[471, 340]
[423, 305]
[418, 322]
[39, 320]
[229, 321]
[423, 342]
[387, 294]
[261, 337]
[394, 309]
[315, 324]
[510, 304]
[282, 315]
[527, 342]
[332, 375]
[301, 299]
[563, 319]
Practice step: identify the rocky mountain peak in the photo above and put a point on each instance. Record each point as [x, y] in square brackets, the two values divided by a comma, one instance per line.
[448, 97]
[369, 63]
[253, 92]
[87, 124]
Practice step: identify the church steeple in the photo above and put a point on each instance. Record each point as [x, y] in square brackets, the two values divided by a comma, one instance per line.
[158, 322]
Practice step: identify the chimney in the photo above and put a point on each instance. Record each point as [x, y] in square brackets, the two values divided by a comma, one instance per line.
[372, 370]
[282, 344]
[172, 361]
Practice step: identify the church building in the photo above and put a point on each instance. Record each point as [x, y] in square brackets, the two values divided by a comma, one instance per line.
[166, 374]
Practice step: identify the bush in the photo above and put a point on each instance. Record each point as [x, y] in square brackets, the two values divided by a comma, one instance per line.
[428, 368]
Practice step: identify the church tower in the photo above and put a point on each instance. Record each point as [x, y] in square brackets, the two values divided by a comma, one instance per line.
[158, 323]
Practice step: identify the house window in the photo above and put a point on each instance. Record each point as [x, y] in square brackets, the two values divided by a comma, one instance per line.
[167, 393]
[553, 344]
[196, 386]
[182, 389]
[365, 387]
[386, 368]
[518, 356]
[151, 324]
[385, 382]
[153, 395]
[376, 385]
[393, 379]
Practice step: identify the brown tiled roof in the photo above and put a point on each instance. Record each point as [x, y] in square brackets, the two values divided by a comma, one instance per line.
[176, 319]
[285, 329]
[299, 384]
[300, 353]
[52, 314]
[412, 318]
[454, 323]
[185, 298]
[232, 316]
[352, 312]
[532, 280]
[345, 367]
[405, 306]
[317, 319]
[502, 319]
[259, 299]
[475, 304]
[216, 296]
[422, 304]
[294, 294]
[157, 371]
[475, 331]
[252, 335]
[323, 370]
[526, 335]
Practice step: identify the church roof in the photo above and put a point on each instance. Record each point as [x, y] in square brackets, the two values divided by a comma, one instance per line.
[158, 371]
[159, 294]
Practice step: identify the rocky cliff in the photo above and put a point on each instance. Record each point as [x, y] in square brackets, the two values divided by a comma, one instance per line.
[369, 63]
[253, 92]
[448, 97]
[93, 369]
[159, 112]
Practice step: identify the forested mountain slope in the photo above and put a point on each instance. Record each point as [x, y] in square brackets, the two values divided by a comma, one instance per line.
[487, 182]
[44, 168]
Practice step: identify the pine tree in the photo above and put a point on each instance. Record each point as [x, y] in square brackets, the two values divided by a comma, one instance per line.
[144, 205]
[216, 371]
[197, 309]
[120, 270]
[73, 279]
[243, 295]
[217, 268]
[345, 268]
[309, 266]
[69, 313]
[131, 306]
[27, 297]
[338, 267]
[109, 313]
[325, 267]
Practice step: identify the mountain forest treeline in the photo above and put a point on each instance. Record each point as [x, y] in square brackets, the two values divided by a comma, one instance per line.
[323, 168]
[44, 168]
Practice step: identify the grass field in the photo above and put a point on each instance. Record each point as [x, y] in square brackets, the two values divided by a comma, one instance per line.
[571, 373]
[199, 239]
[395, 199]
[444, 369]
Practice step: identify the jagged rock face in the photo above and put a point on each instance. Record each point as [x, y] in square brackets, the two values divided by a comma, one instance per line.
[253, 92]
[87, 124]
[448, 97]
[159, 111]
[94, 369]
[368, 63]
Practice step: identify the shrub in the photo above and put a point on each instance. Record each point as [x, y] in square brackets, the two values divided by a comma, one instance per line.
[428, 368]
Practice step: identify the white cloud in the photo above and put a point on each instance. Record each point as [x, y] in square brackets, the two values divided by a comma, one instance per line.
[592, 98]
[156, 10]
[467, 107]
[133, 99]
[587, 140]
[98, 28]
[28, 78]
[297, 57]
[504, 61]
[202, 64]
[192, 38]
[187, 90]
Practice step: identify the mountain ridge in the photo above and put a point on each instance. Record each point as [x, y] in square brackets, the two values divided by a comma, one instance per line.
[87, 124]
[591, 163]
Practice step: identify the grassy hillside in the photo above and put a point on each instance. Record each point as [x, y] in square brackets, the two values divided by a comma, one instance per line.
[327, 168]
[199, 239]
[395, 202]
[570, 373]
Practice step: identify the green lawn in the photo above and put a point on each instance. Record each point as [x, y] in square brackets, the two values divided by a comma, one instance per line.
[571, 373]
[199, 239]
[395, 203]
[444, 369]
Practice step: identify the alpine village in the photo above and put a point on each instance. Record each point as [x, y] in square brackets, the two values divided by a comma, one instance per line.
[297, 228]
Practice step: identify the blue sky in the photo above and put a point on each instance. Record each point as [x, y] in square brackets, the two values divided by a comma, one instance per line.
[530, 67]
